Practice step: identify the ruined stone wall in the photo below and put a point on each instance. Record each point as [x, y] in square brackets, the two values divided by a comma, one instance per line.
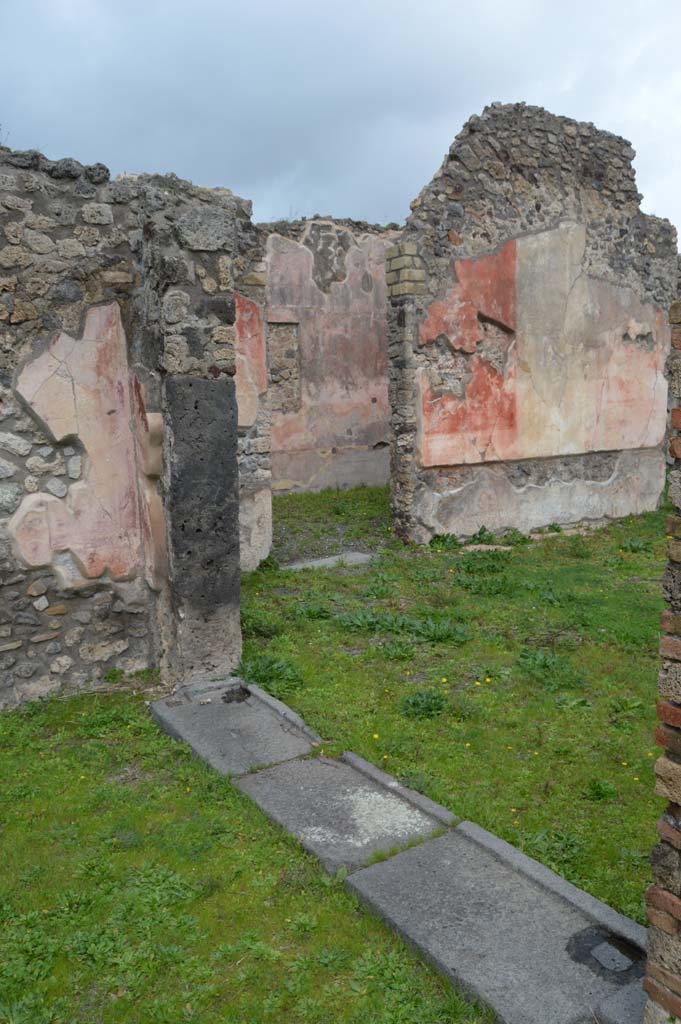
[114, 348]
[663, 982]
[527, 334]
[253, 400]
[327, 349]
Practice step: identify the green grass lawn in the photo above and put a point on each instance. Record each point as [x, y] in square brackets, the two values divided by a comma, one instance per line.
[515, 687]
[138, 886]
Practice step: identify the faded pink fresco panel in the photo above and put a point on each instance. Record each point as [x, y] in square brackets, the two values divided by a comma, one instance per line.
[342, 355]
[83, 390]
[584, 367]
[251, 360]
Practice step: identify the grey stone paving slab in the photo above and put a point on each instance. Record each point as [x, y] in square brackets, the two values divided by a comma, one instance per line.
[510, 941]
[341, 815]
[346, 558]
[422, 803]
[232, 726]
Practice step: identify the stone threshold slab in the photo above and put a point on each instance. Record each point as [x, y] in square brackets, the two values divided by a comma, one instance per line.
[347, 558]
[510, 932]
[233, 726]
[344, 812]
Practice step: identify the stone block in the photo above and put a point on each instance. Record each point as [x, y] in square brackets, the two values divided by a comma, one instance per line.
[203, 505]
[401, 262]
[666, 864]
[413, 288]
[675, 313]
[507, 931]
[670, 622]
[339, 814]
[233, 727]
[665, 950]
[670, 647]
[97, 213]
[669, 681]
[254, 280]
[668, 775]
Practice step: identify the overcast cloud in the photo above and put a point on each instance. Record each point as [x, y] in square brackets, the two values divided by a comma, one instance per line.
[344, 108]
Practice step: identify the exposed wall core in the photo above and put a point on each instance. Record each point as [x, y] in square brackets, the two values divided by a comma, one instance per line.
[327, 338]
[528, 337]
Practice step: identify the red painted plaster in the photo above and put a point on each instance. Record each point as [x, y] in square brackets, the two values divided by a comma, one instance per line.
[251, 359]
[484, 421]
[485, 286]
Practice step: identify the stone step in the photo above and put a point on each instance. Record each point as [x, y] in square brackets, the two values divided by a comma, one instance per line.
[348, 558]
[509, 932]
[344, 812]
[233, 726]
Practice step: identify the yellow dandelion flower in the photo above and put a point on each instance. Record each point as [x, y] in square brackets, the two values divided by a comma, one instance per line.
[375, 735]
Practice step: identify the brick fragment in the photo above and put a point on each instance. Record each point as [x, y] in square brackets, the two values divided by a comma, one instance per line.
[663, 900]
[675, 447]
[665, 977]
[670, 648]
[665, 922]
[668, 833]
[676, 337]
[661, 995]
[676, 413]
[675, 313]
[668, 738]
[669, 713]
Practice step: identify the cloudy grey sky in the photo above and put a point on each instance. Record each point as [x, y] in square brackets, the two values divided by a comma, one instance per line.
[342, 107]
